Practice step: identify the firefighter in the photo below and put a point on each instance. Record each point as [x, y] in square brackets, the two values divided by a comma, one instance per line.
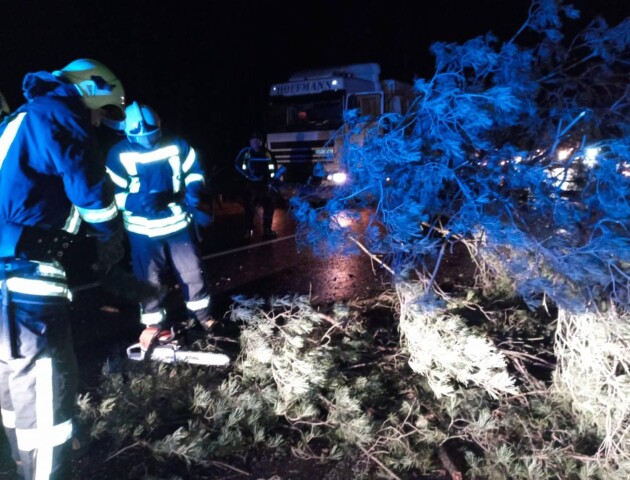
[160, 187]
[52, 177]
[259, 167]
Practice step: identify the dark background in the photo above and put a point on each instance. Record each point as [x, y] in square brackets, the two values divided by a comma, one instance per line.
[206, 66]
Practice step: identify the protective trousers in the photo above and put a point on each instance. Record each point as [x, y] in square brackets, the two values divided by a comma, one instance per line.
[256, 194]
[155, 258]
[38, 384]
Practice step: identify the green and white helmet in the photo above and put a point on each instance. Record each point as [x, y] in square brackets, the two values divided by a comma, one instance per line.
[98, 85]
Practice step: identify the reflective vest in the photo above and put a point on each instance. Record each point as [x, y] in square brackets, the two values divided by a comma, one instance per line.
[257, 166]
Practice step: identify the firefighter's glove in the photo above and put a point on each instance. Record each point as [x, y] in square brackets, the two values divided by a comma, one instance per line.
[277, 177]
[199, 213]
[155, 335]
[200, 218]
[157, 202]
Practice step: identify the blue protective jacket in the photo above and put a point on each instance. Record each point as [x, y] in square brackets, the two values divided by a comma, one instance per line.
[171, 168]
[52, 172]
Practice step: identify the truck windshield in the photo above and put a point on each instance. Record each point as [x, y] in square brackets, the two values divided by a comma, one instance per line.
[322, 111]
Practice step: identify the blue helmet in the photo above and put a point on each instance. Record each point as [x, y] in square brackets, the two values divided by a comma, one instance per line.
[142, 125]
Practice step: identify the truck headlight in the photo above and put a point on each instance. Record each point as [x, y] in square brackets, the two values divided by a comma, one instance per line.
[338, 178]
[590, 157]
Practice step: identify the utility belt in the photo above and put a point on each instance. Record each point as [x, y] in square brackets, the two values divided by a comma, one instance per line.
[30, 263]
[29, 272]
[33, 243]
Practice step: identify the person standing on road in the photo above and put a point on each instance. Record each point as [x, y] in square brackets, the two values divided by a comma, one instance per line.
[52, 176]
[159, 189]
[4, 107]
[260, 169]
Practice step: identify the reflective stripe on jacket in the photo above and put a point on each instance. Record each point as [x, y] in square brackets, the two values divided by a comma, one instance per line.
[255, 165]
[172, 167]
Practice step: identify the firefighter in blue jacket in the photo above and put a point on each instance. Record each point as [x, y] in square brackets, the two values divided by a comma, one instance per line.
[159, 189]
[52, 176]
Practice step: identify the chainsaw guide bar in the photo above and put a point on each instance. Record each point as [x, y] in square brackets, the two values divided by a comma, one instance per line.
[170, 353]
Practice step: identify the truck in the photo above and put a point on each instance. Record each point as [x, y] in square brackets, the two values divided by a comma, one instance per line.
[304, 118]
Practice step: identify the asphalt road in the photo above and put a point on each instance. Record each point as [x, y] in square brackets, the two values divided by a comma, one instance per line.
[104, 324]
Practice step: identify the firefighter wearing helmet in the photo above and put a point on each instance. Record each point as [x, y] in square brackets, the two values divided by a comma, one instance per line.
[52, 179]
[260, 169]
[160, 185]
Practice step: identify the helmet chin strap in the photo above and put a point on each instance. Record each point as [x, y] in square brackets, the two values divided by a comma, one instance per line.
[118, 125]
[146, 140]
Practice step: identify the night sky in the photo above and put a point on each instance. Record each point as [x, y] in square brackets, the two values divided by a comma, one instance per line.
[206, 66]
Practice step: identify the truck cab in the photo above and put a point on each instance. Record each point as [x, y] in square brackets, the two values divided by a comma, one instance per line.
[305, 117]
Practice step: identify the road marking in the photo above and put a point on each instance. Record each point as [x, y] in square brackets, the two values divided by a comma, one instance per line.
[246, 247]
[89, 286]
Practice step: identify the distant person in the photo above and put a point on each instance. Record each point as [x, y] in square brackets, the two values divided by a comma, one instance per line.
[52, 179]
[159, 188]
[4, 107]
[259, 168]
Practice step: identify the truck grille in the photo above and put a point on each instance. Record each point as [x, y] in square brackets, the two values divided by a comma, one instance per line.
[300, 151]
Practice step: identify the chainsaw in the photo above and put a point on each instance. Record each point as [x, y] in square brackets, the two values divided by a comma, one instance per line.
[174, 353]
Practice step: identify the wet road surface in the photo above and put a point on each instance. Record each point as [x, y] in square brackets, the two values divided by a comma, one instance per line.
[102, 323]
